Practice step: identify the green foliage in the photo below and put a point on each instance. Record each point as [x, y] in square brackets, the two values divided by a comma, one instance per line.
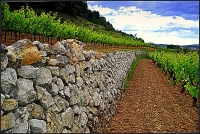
[49, 25]
[183, 67]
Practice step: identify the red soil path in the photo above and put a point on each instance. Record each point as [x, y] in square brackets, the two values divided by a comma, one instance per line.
[152, 104]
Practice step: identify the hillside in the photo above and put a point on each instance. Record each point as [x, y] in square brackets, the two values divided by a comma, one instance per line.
[76, 12]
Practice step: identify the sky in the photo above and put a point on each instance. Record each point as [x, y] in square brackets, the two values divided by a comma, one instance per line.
[160, 22]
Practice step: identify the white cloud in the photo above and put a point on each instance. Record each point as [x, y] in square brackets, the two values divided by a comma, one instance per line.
[144, 23]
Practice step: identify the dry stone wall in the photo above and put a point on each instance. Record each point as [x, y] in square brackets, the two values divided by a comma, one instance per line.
[60, 88]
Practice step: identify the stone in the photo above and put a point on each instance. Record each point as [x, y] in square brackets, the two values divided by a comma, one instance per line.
[65, 44]
[44, 47]
[54, 70]
[46, 100]
[25, 49]
[83, 119]
[4, 50]
[8, 80]
[25, 92]
[76, 109]
[2, 98]
[37, 126]
[67, 117]
[58, 48]
[52, 62]
[96, 98]
[62, 60]
[64, 75]
[22, 113]
[7, 121]
[66, 131]
[60, 84]
[2, 113]
[79, 81]
[43, 53]
[45, 77]
[75, 95]
[54, 89]
[35, 111]
[70, 69]
[61, 103]
[9, 105]
[67, 92]
[72, 78]
[78, 54]
[77, 129]
[37, 44]
[54, 123]
[20, 127]
[28, 72]
[4, 62]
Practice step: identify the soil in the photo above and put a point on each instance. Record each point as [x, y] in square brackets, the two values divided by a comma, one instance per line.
[152, 103]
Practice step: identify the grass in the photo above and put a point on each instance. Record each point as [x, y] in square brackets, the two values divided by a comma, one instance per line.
[132, 69]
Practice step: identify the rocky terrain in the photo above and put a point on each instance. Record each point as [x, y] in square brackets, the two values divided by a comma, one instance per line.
[59, 88]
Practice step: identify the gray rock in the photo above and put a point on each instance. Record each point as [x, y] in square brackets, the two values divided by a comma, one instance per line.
[25, 92]
[7, 121]
[28, 72]
[60, 84]
[20, 127]
[79, 81]
[76, 110]
[62, 60]
[54, 70]
[61, 103]
[4, 62]
[61, 94]
[67, 92]
[58, 48]
[2, 113]
[54, 79]
[8, 80]
[96, 99]
[35, 111]
[79, 70]
[43, 53]
[37, 44]
[45, 98]
[4, 50]
[87, 130]
[45, 77]
[83, 119]
[70, 69]
[66, 131]
[54, 89]
[37, 126]
[2, 98]
[67, 117]
[22, 113]
[77, 129]
[75, 95]
[72, 78]
[64, 75]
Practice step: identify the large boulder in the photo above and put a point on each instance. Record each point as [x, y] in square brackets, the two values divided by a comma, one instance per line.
[24, 50]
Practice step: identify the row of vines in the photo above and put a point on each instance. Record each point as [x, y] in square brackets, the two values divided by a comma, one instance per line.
[48, 25]
[183, 68]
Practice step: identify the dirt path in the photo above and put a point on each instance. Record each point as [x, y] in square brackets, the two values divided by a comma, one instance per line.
[152, 104]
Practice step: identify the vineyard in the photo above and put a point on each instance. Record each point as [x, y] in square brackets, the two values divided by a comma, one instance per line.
[182, 68]
[49, 26]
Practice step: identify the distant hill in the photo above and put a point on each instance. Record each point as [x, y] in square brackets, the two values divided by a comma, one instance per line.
[192, 46]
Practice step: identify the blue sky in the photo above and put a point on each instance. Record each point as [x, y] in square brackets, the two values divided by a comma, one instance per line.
[162, 22]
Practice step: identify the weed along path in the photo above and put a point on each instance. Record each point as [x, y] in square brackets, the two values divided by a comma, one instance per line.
[152, 104]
